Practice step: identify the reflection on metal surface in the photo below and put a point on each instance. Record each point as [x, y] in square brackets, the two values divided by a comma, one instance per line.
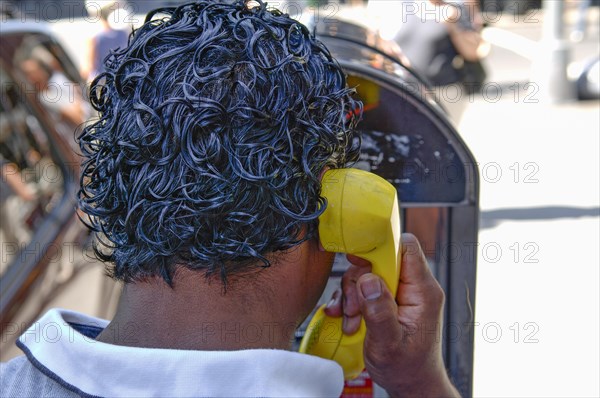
[42, 242]
[32, 183]
[402, 143]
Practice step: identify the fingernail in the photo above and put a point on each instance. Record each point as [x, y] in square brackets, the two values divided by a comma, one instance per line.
[331, 303]
[370, 288]
[334, 299]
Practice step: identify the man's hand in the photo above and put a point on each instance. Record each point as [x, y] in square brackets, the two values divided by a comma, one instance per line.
[403, 346]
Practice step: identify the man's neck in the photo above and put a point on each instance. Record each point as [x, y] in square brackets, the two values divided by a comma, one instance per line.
[197, 315]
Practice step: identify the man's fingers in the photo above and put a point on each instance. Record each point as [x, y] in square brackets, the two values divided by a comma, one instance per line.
[418, 286]
[350, 305]
[402, 362]
[358, 261]
[414, 269]
[334, 306]
[380, 313]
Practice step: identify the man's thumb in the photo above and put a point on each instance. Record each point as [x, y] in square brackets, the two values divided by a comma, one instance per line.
[379, 311]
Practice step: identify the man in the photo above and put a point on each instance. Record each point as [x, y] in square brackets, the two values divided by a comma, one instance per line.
[54, 92]
[442, 40]
[58, 95]
[110, 37]
[203, 178]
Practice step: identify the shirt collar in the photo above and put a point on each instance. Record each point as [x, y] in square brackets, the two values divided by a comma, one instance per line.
[61, 345]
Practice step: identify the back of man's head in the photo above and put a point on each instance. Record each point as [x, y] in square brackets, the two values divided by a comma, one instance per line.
[216, 123]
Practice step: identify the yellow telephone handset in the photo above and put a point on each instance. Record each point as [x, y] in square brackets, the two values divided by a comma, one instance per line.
[361, 218]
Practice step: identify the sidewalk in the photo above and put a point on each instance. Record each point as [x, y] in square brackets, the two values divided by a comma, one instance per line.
[538, 279]
[538, 262]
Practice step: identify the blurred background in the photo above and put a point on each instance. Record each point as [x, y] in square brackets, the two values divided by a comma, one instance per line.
[519, 81]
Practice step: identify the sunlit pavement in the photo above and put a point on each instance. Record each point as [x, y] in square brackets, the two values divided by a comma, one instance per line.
[537, 285]
[537, 308]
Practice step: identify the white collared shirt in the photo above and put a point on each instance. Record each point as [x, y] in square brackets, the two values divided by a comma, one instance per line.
[64, 359]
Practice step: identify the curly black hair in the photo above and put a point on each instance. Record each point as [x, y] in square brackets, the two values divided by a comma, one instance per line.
[215, 124]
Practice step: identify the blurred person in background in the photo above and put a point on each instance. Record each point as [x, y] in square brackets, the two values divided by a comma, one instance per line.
[578, 33]
[16, 200]
[61, 97]
[111, 37]
[55, 91]
[23, 154]
[443, 43]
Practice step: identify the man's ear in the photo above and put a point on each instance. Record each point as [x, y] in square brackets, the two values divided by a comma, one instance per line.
[321, 248]
[326, 168]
